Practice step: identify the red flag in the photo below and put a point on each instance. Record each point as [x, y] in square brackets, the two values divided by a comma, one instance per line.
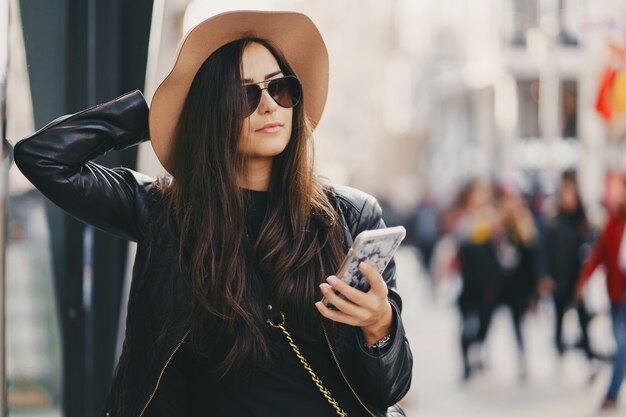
[604, 104]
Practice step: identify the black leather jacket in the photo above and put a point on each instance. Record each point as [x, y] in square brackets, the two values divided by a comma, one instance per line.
[57, 160]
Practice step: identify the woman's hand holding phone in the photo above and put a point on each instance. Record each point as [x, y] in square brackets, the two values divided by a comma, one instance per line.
[369, 310]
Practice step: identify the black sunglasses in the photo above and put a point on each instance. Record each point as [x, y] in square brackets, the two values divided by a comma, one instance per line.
[285, 91]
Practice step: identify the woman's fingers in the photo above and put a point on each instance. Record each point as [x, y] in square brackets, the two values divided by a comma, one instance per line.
[377, 283]
[358, 308]
[336, 315]
[340, 303]
[352, 294]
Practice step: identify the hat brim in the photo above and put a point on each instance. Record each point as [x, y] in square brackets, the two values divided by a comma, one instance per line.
[292, 33]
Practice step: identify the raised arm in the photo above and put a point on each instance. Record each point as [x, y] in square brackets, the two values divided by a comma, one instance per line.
[57, 160]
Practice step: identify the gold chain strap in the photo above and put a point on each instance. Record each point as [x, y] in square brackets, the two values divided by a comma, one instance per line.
[318, 382]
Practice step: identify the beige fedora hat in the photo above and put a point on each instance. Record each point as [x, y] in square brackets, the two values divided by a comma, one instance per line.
[292, 33]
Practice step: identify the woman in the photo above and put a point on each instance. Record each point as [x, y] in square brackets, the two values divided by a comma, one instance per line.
[478, 265]
[517, 251]
[567, 236]
[238, 245]
[606, 252]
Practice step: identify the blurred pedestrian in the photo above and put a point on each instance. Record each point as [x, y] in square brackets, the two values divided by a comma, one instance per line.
[536, 204]
[479, 269]
[426, 230]
[238, 246]
[516, 246]
[606, 253]
[567, 236]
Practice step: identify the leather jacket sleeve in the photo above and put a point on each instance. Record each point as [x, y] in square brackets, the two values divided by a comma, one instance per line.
[57, 160]
[385, 379]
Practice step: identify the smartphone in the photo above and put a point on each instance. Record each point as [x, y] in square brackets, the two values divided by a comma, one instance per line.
[376, 247]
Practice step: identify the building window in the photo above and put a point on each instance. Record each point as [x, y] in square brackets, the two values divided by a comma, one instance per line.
[528, 94]
[570, 21]
[568, 105]
[522, 15]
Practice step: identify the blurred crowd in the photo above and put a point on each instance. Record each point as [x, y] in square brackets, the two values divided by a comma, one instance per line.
[512, 249]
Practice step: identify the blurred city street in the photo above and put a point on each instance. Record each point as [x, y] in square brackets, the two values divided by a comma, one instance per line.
[437, 390]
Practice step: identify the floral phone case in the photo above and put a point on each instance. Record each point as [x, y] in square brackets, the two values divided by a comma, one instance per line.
[376, 247]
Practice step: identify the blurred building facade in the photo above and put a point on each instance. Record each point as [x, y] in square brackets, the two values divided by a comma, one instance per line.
[514, 92]
[425, 95]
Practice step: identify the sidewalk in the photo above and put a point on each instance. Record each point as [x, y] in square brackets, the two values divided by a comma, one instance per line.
[551, 389]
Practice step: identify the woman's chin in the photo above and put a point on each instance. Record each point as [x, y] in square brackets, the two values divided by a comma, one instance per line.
[268, 150]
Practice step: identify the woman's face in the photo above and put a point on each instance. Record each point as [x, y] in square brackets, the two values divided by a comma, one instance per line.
[568, 197]
[480, 197]
[267, 130]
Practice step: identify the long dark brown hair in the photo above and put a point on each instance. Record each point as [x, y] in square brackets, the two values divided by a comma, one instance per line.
[300, 242]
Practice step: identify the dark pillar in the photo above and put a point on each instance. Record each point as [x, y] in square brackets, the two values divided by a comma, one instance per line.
[6, 154]
[80, 53]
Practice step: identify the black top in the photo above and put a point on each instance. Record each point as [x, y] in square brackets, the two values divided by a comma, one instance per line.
[283, 387]
[567, 237]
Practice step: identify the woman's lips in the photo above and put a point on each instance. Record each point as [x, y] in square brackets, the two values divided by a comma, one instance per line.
[270, 128]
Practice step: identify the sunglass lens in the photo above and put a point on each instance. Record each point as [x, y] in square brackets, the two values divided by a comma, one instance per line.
[285, 91]
[253, 92]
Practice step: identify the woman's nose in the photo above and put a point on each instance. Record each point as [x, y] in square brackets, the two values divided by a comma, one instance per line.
[267, 103]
